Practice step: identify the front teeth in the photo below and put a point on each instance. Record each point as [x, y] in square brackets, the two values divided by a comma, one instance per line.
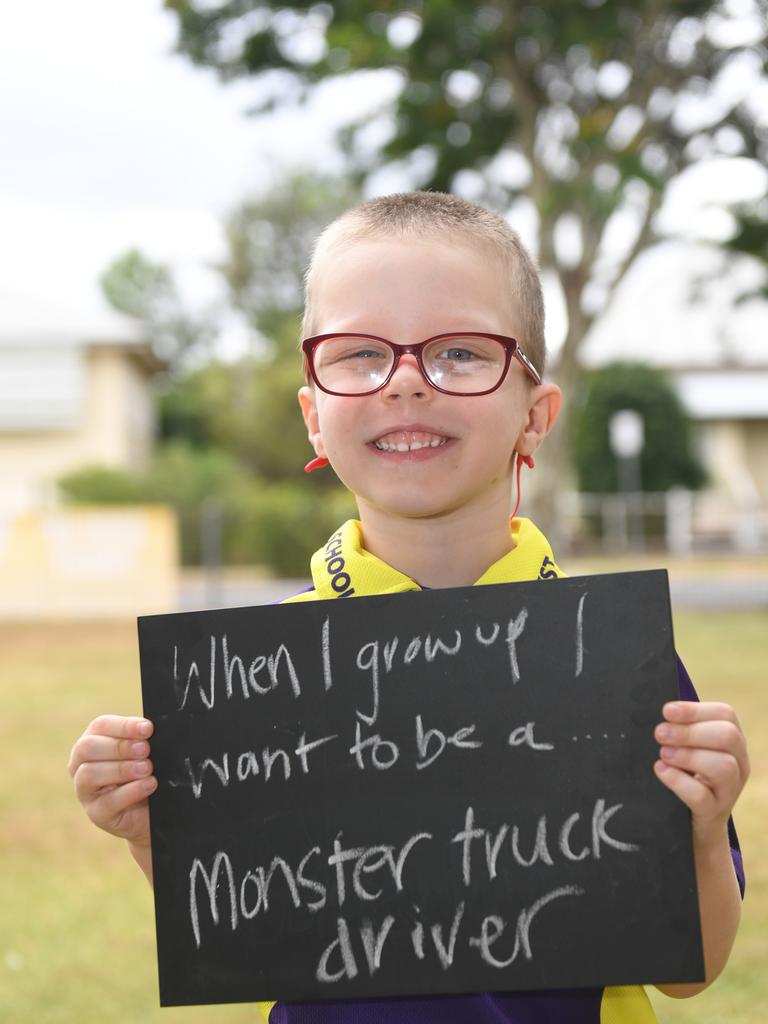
[413, 446]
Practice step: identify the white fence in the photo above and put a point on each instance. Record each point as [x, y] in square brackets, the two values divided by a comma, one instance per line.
[680, 521]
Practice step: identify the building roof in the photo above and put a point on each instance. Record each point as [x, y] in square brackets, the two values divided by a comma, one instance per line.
[43, 345]
[677, 309]
[40, 318]
[45, 322]
[724, 394]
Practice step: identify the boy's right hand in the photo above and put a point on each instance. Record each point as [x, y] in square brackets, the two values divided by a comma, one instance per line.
[113, 776]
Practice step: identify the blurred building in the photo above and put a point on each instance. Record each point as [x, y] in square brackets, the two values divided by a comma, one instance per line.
[687, 312]
[75, 391]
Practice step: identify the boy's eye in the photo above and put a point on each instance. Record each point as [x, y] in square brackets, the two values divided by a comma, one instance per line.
[362, 353]
[456, 355]
[350, 350]
[464, 352]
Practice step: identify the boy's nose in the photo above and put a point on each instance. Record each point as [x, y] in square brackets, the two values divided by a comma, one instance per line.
[407, 381]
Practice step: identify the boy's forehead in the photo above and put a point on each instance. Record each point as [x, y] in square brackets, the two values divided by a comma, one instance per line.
[369, 274]
[434, 245]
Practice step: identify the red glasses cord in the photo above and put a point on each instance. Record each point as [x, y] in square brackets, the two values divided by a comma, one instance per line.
[522, 460]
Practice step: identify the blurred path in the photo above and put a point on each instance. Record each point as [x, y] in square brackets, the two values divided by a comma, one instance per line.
[721, 584]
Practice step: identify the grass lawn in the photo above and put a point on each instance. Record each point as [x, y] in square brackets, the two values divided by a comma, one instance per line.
[76, 927]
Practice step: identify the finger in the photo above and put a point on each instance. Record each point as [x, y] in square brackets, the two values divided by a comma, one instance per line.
[105, 748]
[721, 772]
[115, 801]
[697, 796]
[710, 735]
[95, 775]
[699, 711]
[121, 727]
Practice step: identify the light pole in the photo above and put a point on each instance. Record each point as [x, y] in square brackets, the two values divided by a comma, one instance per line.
[627, 436]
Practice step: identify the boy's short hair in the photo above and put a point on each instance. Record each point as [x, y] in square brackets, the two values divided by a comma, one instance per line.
[438, 213]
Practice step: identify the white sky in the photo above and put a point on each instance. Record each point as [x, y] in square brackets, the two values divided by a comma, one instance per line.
[111, 141]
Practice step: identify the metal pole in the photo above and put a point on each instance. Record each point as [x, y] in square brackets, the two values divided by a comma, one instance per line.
[630, 485]
[211, 524]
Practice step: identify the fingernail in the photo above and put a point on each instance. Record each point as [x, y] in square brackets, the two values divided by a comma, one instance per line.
[139, 749]
[672, 710]
[661, 767]
[141, 767]
[144, 728]
[668, 752]
[663, 732]
[148, 785]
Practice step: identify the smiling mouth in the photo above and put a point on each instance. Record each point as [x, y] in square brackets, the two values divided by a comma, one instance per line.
[409, 441]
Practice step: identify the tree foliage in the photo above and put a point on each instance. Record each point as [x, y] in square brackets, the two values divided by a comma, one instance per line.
[249, 408]
[146, 291]
[601, 103]
[269, 242]
[232, 430]
[751, 239]
[587, 109]
[667, 459]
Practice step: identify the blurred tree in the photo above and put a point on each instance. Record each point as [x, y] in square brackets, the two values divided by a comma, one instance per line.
[751, 239]
[146, 291]
[667, 459]
[233, 429]
[279, 525]
[586, 108]
[249, 407]
[269, 242]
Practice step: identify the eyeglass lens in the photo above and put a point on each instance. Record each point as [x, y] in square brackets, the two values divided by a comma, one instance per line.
[355, 366]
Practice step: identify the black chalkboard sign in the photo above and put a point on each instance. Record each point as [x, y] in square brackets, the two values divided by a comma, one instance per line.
[433, 792]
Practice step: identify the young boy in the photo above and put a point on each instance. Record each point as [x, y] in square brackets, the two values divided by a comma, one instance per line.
[424, 348]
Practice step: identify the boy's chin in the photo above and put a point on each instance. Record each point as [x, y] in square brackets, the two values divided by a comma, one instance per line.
[409, 508]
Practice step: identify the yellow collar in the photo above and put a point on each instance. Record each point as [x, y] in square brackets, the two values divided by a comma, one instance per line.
[343, 568]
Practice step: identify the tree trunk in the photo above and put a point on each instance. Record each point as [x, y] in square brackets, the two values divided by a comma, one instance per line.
[554, 469]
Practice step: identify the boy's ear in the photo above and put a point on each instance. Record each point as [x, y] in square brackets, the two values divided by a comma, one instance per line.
[308, 406]
[543, 410]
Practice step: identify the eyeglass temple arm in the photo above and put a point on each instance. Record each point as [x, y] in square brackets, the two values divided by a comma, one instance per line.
[528, 364]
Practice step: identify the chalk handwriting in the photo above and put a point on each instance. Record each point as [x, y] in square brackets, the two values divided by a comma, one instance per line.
[341, 950]
[438, 741]
[250, 684]
[368, 860]
[369, 660]
[325, 643]
[487, 641]
[384, 753]
[250, 764]
[515, 629]
[523, 736]
[362, 873]
[466, 874]
[580, 636]
[486, 939]
[596, 836]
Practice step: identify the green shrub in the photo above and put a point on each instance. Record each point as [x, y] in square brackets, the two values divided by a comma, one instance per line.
[278, 525]
[667, 459]
[281, 525]
[101, 485]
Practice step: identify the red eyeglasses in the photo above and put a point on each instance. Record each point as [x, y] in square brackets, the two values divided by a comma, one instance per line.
[460, 363]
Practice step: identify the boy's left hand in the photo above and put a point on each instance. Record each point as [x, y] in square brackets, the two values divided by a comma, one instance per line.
[703, 760]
